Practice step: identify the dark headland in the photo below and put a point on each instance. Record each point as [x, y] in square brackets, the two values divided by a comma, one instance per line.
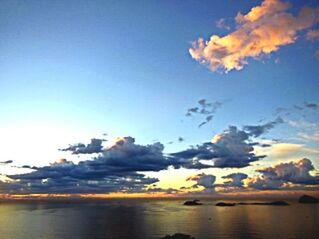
[225, 204]
[308, 199]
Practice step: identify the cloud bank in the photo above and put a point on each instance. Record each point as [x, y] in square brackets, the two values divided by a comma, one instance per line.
[277, 176]
[116, 169]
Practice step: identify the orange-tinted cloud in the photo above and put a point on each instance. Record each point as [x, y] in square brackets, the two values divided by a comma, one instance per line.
[263, 30]
[312, 35]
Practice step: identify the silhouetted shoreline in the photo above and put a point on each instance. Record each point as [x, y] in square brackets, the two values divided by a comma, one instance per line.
[274, 203]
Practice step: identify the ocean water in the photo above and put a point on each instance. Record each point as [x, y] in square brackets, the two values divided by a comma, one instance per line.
[112, 219]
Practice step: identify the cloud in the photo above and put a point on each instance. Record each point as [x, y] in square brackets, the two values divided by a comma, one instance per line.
[95, 146]
[235, 179]
[120, 167]
[274, 177]
[263, 30]
[180, 139]
[205, 108]
[207, 119]
[313, 136]
[230, 149]
[115, 169]
[221, 23]
[312, 35]
[205, 180]
[6, 162]
[258, 130]
[311, 105]
[281, 150]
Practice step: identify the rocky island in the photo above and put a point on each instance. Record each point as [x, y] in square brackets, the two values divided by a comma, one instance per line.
[178, 236]
[308, 199]
[192, 203]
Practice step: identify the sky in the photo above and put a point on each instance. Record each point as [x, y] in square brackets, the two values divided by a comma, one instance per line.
[159, 97]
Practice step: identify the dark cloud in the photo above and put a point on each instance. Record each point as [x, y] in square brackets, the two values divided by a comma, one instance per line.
[295, 172]
[95, 146]
[205, 180]
[120, 167]
[115, 169]
[313, 106]
[6, 162]
[230, 149]
[258, 130]
[207, 119]
[190, 111]
[181, 139]
[66, 184]
[306, 105]
[235, 179]
[208, 109]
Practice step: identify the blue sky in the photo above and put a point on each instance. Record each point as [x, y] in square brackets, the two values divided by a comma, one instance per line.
[73, 70]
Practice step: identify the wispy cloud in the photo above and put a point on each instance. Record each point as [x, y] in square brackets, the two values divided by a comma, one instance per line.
[312, 35]
[206, 109]
[263, 30]
[6, 162]
[221, 23]
[258, 130]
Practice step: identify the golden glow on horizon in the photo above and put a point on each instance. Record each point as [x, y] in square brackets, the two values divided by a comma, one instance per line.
[249, 194]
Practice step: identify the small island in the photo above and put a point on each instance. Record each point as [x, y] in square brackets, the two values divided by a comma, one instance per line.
[225, 204]
[178, 236]
[308, 199]
[274, 203]
[192, 203]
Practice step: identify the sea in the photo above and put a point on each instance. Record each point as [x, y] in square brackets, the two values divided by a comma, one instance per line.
[154, 219]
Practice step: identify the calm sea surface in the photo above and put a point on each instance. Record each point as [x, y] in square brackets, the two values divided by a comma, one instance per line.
[132, 219]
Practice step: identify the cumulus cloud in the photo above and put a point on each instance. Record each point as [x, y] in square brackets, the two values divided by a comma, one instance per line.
[263, 30]
[115, 169]
[205, 180]
[230, 149]
[294, 172]
[95, 146]
[235, 179]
